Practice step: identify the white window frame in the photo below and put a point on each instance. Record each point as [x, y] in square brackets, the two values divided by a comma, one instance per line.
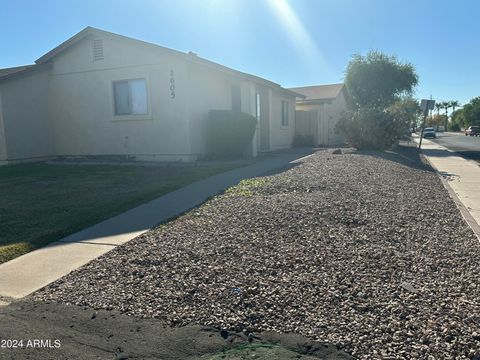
[285, 116]
[115, 117]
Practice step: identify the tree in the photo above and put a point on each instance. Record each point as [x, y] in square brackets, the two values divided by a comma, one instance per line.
[445, 105]
[471, 112]
[438, 106]
[377, 80]
[408, 109]
[458, 120]
[435, 120]
[381, 107]
[455, 104]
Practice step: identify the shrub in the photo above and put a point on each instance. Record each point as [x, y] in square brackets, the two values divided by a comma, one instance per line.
[228, 133]
[371, 128]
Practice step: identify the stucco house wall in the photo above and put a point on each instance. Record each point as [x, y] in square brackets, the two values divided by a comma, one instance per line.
[82, 104]
[68, 108]
[24, 120]
[327, 112]
[210, 90]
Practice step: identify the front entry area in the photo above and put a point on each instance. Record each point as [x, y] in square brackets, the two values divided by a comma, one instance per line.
[263, 117]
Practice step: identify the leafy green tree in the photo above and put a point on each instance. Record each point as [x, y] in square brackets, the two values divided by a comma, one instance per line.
[435, 121]
[408, 109]
[471, 112]
[381, 107]
[377, 80]
[458, 120]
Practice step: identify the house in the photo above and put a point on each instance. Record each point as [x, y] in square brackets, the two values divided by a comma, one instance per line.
[103, 94]
[318, 113]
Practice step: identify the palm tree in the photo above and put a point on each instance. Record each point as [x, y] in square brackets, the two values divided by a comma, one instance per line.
[454, 104]
[446, 105]
[438, 106]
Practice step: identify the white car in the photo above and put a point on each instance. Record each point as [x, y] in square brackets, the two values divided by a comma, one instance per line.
[429, 133]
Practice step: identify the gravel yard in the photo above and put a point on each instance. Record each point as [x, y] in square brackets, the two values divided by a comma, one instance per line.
[366, 251]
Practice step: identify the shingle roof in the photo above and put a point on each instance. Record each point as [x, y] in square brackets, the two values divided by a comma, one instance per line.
[7, 72]
[319, 92]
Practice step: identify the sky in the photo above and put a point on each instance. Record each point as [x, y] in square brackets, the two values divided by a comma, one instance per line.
[290, 42]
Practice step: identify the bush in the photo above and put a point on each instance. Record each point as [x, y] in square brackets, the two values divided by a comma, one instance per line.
[228, 133]
[372, 128]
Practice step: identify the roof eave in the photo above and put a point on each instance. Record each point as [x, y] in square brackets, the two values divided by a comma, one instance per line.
[66, 44]
[193, 58]
[256, 79]
[316, 101]
[31, 68]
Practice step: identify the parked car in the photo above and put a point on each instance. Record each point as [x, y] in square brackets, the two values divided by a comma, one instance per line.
[429, 133]
[472, 131]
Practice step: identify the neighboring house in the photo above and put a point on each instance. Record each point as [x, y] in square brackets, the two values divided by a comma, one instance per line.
[100, 93]
[318, 113]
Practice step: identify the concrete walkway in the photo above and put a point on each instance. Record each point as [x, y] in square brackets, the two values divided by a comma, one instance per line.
[462, 175]
[30, 272]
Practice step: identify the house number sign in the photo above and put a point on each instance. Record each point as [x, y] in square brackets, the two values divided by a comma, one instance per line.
[172, 84]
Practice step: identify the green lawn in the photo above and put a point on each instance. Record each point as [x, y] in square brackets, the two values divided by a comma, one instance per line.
[42, 203]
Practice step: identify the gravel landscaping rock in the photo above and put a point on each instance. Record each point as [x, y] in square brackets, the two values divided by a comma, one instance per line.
[363, 250]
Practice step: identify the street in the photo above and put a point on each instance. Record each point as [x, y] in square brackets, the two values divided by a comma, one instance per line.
[467, 146]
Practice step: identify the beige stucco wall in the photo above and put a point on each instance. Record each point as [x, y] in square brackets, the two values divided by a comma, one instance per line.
[24, 104]
[328, 115]
[68, 110]
[209, 89]
[82, 106]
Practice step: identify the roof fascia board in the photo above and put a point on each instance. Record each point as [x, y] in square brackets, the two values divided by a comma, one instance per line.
[26, 71]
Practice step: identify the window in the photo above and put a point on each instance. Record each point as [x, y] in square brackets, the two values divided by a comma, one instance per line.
[284, 113]
[130, 97]
[236, 98]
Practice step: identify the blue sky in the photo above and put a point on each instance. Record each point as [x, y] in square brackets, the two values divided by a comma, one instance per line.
[291, 42]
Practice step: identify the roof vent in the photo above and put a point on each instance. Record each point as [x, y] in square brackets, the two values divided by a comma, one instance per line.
[97, 49]
[192, 53]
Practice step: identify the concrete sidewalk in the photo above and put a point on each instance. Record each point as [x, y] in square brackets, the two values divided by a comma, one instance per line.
[462, 175]
[30, 272]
